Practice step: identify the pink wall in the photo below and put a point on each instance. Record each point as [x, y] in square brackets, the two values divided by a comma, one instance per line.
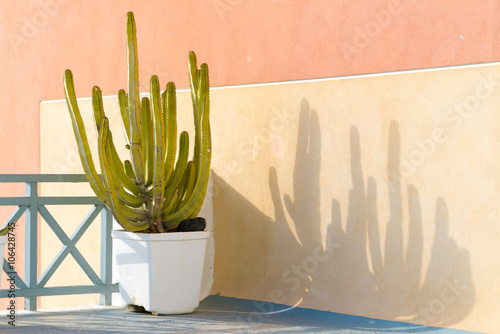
[243, 42]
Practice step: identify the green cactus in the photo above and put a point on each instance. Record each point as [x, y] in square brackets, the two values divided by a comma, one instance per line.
[151, 192]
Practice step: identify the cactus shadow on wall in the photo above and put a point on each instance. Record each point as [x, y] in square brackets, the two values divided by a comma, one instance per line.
[340, 265]
[350, 273]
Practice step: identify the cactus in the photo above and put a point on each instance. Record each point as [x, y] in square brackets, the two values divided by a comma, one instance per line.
[7, 229]
[152, 192]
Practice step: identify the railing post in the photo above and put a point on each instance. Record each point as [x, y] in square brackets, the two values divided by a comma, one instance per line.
[31, 239]
[106, 253]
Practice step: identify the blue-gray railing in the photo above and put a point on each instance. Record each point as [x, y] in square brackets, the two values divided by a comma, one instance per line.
[31, 205]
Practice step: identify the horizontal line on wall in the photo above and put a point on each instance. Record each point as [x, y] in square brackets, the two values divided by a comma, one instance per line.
[346, 77]
[365, 75]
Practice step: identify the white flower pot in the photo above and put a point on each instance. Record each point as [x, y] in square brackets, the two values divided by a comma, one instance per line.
[161, 272]
[3, 241]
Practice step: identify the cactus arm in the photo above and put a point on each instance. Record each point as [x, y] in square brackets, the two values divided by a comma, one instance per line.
[147, 141]
[125, 180]
[97, 106]
[105, 168]
[199, 93]
[178, 174]
[134, 214]
[201, 115]
[133, 66]
[180, 166]
[129, 170]
[150, 144]
[202, 160]
[170, 111]
[188, 185]
[202, 182]
[204, 155]
[81, 138]
[180, 191]
[124, 112]
[127, 191]
[127, 198]
[125, 219]
[116, 162]
[193, 78]
[177, 179]
[159, 148]
[173, 201]
[133, 100]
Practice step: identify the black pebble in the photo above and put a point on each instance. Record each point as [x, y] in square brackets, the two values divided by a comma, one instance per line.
[192, 225]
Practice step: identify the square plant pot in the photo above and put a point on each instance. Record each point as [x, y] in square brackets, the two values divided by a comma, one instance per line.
[161, 272]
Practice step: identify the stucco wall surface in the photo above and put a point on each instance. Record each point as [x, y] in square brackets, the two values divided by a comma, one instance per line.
[374, 196]
[370, 195]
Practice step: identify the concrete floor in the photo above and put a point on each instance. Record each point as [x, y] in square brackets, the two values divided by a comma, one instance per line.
[214, 315]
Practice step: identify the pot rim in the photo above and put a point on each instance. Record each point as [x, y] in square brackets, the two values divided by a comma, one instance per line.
[152, 237]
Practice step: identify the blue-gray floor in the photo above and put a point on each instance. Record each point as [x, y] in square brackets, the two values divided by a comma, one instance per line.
[214, 315]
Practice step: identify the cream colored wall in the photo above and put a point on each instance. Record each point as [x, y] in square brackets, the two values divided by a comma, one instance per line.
[372, 195]
[316, 203]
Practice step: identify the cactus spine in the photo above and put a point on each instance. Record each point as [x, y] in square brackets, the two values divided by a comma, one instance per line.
[151, 192]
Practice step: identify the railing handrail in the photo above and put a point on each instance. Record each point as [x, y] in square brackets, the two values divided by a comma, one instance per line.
[32, 205]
